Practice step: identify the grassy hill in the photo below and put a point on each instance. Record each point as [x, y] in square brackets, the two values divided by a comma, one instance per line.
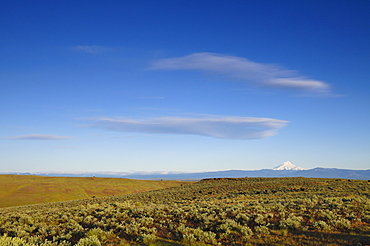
[245, 211]
[16, 190]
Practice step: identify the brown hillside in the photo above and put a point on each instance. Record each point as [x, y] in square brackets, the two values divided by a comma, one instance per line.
[16, 190]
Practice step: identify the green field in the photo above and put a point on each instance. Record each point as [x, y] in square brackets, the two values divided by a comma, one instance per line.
[16, 190]
[246, 211]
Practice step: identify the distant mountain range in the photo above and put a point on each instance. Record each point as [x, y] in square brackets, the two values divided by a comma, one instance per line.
[285, 170]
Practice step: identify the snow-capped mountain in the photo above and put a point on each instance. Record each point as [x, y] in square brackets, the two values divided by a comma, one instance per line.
[288, 166]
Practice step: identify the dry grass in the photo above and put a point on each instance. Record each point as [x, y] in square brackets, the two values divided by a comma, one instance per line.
[17, 190]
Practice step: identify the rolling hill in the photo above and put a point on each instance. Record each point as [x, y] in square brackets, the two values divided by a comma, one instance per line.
[16, 190]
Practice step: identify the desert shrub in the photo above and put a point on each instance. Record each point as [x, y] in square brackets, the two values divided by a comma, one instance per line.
[13, 241]
[145, 221]
[191, 235]
[283, 232]
[90, 241]
[260, 219]
[100, 234]
[73, 226]
[147, 238]
[366, 218]
[353, 217]
[245, 231]
[321, 226]
[292, 222]
[242, 219]
[262, 230]
[229, 227]
[341, 223]
[25, 220]
[329, 215]
[279, 207]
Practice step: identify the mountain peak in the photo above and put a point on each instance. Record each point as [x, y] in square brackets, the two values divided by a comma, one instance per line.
[288, 166]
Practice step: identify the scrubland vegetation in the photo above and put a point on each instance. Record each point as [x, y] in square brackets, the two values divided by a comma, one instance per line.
[247, 211]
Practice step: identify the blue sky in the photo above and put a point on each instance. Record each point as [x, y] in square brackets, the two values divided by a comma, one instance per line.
[183, 85]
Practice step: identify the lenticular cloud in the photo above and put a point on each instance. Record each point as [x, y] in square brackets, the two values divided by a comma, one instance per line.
[216, 127]
[267, 75]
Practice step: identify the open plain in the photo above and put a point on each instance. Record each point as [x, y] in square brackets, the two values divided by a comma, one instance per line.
[228, 211]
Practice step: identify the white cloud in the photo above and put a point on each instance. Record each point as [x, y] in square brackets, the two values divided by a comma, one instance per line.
[267, 75]
[216, 126]
[37, 137]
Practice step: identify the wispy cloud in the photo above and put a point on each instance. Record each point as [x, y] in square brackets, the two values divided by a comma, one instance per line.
[38, 137]
[90, 48]
[266, 75]
[216, 126]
